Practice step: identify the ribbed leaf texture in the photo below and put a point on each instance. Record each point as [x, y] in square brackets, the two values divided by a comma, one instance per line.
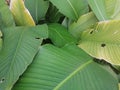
[103, 41]
[86, 21]
[68, 68]
[73, 8]
[105, 9]
[19, 48]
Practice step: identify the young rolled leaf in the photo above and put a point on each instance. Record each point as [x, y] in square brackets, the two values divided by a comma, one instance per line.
[56, 69]
[1, 41]
[21, 14]
[84, 22]
[20, 46]
[105, 9]
[73, 8]
[6, 18]
[59, 35]
[103, 41]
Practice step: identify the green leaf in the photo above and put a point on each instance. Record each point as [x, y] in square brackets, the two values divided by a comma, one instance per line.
[73, 8]
[105, 9]
[1, 41]
[6, 19]
[60, 69]
[103, 41]
[21, 14]
[37, 8]
[119, 86]
[20, 46]
[84, 22]
[59, 35]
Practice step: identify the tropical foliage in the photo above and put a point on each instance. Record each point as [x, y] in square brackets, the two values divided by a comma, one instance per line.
[59, 44]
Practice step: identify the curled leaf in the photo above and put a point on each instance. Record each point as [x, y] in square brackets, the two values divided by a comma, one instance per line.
[21, 14]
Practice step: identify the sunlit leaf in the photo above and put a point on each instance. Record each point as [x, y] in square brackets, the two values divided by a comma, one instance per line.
[103, 41]
[105, 9]
[68, 68]
[21, 14]
[84, 22]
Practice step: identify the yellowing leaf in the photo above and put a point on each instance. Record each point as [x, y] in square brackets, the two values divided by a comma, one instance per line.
[103, 41]
[21, 14]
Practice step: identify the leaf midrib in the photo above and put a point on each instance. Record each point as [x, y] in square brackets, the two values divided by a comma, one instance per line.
[99, 10]
[75, 12]
[58, 33]
[15, 53]
[72, 74]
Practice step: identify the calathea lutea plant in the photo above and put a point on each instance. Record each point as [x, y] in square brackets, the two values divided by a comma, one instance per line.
[59, 44]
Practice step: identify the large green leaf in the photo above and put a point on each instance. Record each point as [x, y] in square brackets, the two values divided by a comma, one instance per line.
[21, 14]
[59, 35]
[1, 41]
[71, 8]
[68, 68]
[105, 9]
[6, 19]
[19, 48]
[103, 41]
[83, 23]
[37, 8]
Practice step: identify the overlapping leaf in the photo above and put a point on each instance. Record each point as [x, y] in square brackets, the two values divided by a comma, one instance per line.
[71, 8]
[21, 14]
[103, 41]
[56, 69]
[37, 8]
[6, 19]
[84, 22]
[59, 35]
[19, 48]
[105, 9]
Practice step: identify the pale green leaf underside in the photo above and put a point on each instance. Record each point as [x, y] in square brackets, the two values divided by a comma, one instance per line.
[20, 46]
[103, 41]
[68, 68]
[83, 23]
[105, 9]
[73, 8]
